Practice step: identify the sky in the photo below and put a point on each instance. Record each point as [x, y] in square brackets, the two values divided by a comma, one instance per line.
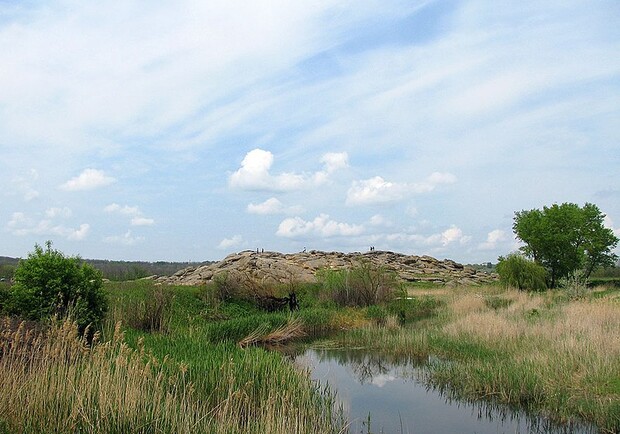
[188, 130]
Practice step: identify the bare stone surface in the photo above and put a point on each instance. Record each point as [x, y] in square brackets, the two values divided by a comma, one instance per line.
[275, 267]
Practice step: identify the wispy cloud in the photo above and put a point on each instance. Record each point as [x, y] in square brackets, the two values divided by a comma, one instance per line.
[58, 212]
[137, 219]
[272, 206]
[24, 185]
[356, 104]
[127, 239]
[22, 225]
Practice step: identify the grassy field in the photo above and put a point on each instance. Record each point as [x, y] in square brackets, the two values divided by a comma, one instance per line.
[170, 359]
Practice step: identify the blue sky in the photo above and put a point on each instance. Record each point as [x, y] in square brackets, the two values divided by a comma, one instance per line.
[148, 130]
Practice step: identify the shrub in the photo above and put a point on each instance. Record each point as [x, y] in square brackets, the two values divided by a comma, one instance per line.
[4, 298]
[377, 313]
[575, 287]
[362, 285]
[48, 283]
[517, 271]
[154, 313]
[414, 309]
[239, 286]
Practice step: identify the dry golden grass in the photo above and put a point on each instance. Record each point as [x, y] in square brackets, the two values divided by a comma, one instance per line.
[53, 382]
[540, 351]
[293, 329]
[579, 327]
[564, 356]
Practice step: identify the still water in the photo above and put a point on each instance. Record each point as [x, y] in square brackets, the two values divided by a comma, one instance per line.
[382, 396]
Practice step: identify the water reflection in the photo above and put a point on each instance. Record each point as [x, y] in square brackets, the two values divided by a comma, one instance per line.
[383, 395]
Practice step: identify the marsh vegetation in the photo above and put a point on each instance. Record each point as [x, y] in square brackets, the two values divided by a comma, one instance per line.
[190, 359]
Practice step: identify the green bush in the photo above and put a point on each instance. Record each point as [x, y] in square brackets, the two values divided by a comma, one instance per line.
[363, 285]
[517, 271]
[48, 284]
[154, 312]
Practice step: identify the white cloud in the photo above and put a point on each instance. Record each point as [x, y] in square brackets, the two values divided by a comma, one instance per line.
[89, 179]
[334, 161]
[127, 239]
[451, 236]
[608, 223]
[228, 243]
[493, 238]
[375, 191]
[142, 221]
[272, 206]
[254, 173]
[321, 226]
[79, 234]
[126, 210]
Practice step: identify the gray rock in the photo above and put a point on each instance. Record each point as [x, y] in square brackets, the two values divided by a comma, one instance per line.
[274, 267]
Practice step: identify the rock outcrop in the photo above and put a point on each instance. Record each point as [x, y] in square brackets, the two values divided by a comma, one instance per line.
[274, 267]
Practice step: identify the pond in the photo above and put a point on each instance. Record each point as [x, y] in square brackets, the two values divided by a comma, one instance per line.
[381, 396]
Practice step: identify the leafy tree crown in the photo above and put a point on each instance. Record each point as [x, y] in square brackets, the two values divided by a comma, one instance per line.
[49, 283]
[566, 238]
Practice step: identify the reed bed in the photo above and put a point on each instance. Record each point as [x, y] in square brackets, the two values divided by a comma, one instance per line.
[53, 381]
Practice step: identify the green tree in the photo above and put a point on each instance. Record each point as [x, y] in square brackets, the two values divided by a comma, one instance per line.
[517, 271]
[49, 283]
[566, 238]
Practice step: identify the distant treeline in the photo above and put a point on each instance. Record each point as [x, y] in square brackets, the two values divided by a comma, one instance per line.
[114, 270]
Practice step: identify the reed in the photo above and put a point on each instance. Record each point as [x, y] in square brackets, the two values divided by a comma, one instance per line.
[293, 329]
[53, 382]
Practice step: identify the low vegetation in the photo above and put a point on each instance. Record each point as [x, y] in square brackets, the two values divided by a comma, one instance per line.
[50, 284]
[192, 359]
[366, 284]
[517, 271]
[542, 352]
